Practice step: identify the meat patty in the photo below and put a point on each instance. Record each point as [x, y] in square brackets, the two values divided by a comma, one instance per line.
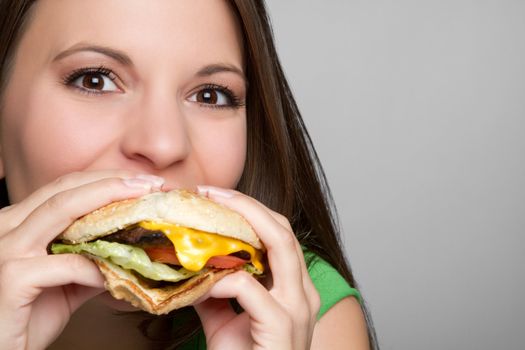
[138, 236]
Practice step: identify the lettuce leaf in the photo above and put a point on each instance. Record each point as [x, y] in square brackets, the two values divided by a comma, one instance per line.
[252, 269]
[127, 257]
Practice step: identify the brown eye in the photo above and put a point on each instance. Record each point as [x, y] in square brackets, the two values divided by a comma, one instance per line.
[207, 96]
[213, 97]
[93, 81]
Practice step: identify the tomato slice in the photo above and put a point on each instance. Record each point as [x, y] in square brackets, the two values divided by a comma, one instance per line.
[162, 254]
[225, 261]
[167, 255]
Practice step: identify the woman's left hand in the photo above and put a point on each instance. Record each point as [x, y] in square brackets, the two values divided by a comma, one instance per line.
[281, 317]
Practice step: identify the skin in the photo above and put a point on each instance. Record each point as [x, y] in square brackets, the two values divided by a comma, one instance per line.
[65, 153]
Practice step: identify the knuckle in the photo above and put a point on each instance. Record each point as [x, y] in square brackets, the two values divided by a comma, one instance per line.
[283, 220]
[114, 182]
[74, 262]
[57, 202]
[243, 279]
[65, 181]
[315, 302]
[288, 239]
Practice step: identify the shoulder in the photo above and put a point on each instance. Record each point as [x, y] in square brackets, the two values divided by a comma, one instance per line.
[341, 323]
[330, 285]
[342, 327]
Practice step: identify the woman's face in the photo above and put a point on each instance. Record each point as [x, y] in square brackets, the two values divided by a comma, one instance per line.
[151, 86]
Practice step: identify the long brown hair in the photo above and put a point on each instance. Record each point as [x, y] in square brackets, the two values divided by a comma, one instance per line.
[282, 168]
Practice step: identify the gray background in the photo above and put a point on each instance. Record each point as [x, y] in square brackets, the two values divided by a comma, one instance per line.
[417, 109]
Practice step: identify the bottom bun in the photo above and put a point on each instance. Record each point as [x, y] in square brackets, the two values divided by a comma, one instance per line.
[124, 285]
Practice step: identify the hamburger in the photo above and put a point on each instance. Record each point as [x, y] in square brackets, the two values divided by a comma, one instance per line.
[164, 250]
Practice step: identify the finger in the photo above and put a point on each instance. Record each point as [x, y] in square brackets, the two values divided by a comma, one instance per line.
[27, 277]
[310, 291]
[283, 221]
[218, 317]
[299, 288]
[16, 213]
[280, 242]
[251, 295]
[214, 313]
[58, 212]
[300, 255]
[269, 323]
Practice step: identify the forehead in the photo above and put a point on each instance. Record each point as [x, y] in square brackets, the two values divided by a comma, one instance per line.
[171, 31]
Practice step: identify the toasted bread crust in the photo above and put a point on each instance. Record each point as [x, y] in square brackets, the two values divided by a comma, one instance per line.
[123, 285]
[179, 207]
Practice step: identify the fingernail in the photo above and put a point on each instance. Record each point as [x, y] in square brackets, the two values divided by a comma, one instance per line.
[155, 181]
[138, 183]
[145, 181]
[210, 191]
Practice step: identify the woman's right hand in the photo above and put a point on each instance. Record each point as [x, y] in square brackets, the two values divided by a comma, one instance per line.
[39, 292]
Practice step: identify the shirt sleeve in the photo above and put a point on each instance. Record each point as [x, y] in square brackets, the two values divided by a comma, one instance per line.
[331, 286]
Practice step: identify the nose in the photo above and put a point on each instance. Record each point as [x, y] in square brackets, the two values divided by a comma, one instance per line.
[157, 134]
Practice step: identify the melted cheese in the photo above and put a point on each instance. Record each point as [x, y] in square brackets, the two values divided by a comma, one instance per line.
[193, 247]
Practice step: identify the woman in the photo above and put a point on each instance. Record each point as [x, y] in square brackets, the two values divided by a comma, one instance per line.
[106, 100]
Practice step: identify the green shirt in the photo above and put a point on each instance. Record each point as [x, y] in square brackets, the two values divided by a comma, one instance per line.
[330, 285]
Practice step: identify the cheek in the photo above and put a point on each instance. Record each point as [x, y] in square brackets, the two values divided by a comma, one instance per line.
[221, 151]
[44, 136]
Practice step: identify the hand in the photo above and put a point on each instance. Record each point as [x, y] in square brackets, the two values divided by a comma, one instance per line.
[39, 292]
[281, 317]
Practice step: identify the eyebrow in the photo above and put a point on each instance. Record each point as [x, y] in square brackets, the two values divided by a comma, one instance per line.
[115, 54]
[123, 58]
[220, 68]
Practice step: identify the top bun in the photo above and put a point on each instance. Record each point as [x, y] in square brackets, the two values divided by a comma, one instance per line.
[178, 207]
